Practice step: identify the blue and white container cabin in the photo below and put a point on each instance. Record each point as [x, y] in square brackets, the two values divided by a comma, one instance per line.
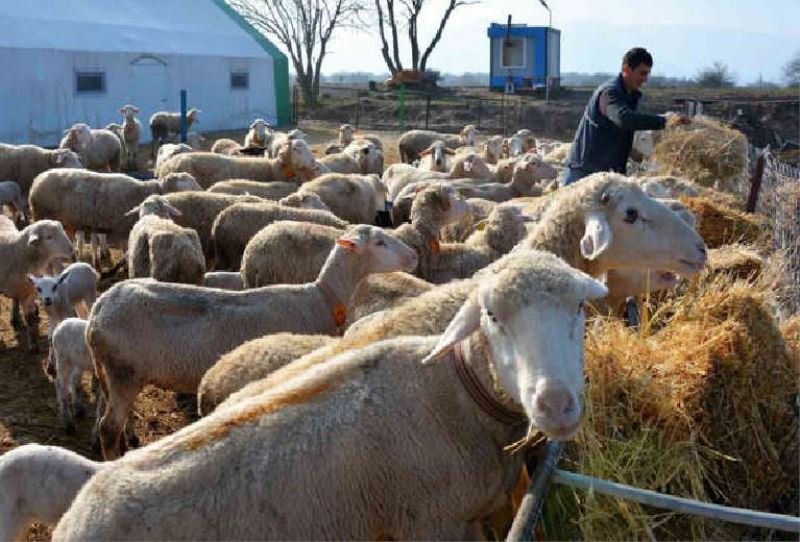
[524, 56]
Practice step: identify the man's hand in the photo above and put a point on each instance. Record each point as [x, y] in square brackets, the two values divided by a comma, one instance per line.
[674, 119]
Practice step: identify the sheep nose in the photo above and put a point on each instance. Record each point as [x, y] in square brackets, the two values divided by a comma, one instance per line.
[556, 403]
[48, 302]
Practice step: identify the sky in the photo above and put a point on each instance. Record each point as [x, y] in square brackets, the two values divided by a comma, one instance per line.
[754, 38]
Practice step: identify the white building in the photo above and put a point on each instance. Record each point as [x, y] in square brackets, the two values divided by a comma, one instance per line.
[68, 61]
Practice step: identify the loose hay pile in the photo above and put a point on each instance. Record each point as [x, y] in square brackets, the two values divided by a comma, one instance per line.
[705, 408]
[737, 261]
[706, 151]
[720, 225]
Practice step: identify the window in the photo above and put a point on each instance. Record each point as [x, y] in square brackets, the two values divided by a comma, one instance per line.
[513, 53]
[90, 82]
[240, 80]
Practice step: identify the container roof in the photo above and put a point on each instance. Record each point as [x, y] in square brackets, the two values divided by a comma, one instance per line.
[499, 30]
[189, 27]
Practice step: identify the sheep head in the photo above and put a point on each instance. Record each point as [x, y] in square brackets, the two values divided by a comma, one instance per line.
[295, 154]
[128, 111]
[156, 205]
[304, 200]
[438, 152]
[468, 134]
[493, 148]
[49, 240]
[529, 307]
[345, 134]
[191, 117]
[439, 204]
[78, 137]
[178, 182]
[627, 229]
[66, 158]
[380, 252]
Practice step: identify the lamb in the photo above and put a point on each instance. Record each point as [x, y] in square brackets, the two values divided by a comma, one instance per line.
[503, 229]
[224, 280]
[528, 171]
[259, 134]
[304, 200]
[72, 291]
[161, 249]
[168, 150]
[164, 123]
[668, 186]
[354, 198]
[528, 140]
[279, 139]
[303, 246]
[37, 484]
[367, 154]
[413, 142]
[131, 130]
[235, 226]
[98, 149]
[22, 163]
[443, 432]
[97, 202]
[513, 146]
[252, 361]
[479, 210]
[227, 147]
[293, 163]
[559, 154]
[27, 252]
[272, 191]
[180, 331]
[199, 211]
[11, 196]
[70, 357]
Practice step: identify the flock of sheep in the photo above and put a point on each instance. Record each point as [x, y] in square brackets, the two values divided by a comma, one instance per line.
[353, 380]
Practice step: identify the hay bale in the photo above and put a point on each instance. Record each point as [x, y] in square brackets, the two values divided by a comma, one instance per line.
[736, 261]
[720, 225]
[707, 151]
[705, 409]
[558, 155]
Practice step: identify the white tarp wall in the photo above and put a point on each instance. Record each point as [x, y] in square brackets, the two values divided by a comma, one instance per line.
[146, 51]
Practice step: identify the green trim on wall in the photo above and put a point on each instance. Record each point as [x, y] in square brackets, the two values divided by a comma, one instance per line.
[280, 64]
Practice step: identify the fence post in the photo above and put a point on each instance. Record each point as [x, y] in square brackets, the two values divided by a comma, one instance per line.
[358, 107]
[531, 507]
[427, 110]
[479, 113]
[755, 183]
[183, 116]
[503, 112]
[402, 111]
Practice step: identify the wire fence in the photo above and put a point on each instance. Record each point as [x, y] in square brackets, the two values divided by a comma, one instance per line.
[777, 196]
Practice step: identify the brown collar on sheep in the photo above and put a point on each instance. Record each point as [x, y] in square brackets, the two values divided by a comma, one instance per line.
[478, 393]
[338, 309]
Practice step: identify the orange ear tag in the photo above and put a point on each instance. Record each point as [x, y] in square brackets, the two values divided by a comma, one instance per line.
[289, 173]
[435, 247]
[339, 314]
[345, 243]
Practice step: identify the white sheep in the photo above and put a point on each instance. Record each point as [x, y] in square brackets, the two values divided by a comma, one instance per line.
[131, 132]
[98, 149]
[38, 483]
[294, 162]
[342, 163]
[163, 124]
[168, 150]
[227, 147]
[161, 249]
[279, 139]
[271, 190]
[224, 280]
[668, 186]
[354, 198]
[70, 357]
[11, 197]
[413, 142]
[529, 171]
[22, 163]
[372, 416]
[97, 202]
[170, 334]
[24, 253]
[236, 225]
[304, 200]
[398, 176]
[72, 292]
[259, 134]
[513, 146]
[434, 158]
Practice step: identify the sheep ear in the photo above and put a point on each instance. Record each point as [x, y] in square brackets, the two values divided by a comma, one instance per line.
[463, 324]
[32, 279]
[351, 242]
[597, 236]
[426, 152]
[61, 278]
[33, 239]
[173, 210]
[134, 211]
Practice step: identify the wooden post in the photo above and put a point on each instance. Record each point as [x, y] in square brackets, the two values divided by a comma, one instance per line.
[427, 110]
[531, 507]
[755, 183]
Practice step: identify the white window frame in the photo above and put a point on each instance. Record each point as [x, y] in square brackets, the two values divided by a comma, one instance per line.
[524, 53]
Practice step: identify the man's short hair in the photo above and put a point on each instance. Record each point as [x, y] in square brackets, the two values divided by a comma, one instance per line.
[636, 56]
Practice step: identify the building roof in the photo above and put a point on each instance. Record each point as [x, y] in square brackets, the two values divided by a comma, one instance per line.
[498, 30]
[191, 27]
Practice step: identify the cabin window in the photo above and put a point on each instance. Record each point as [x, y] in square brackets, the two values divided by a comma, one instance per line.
[240, 81]
[513, 53]
[90, 82]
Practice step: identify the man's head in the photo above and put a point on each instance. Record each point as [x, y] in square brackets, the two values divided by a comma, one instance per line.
[636, 66]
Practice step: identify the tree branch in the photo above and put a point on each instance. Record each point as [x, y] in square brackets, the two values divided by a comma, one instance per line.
[452, 6]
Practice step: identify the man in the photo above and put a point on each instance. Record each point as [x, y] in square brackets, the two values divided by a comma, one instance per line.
[605, 135]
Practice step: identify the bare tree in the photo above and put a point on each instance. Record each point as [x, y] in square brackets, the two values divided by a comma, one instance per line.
[409, 13]
[304, 29]
[716, 76]
[791, 70]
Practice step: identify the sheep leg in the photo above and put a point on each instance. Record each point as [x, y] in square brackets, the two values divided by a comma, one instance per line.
[119, 400]
[64, 397]
[31, 322]
[100, 406]
[16, 321]
[80, 242]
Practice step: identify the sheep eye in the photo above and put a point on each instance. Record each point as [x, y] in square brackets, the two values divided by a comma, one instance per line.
[38, 289]
[631, 215]
[381, 243]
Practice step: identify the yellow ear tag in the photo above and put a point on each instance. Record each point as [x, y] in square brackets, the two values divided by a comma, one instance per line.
[481, 226]
[435, 247]
[340, 314]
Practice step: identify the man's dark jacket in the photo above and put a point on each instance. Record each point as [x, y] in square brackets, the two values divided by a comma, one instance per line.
[603, 142]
